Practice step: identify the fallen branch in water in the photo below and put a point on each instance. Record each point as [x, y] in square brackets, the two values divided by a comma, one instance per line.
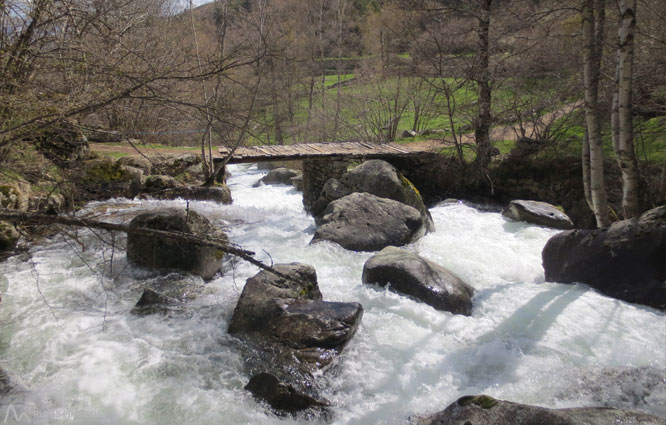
[66, 220]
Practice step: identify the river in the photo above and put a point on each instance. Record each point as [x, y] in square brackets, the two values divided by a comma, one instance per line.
[67, 331]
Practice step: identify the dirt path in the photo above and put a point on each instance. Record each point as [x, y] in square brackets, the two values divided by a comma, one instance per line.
[504, 133]
[105, 148]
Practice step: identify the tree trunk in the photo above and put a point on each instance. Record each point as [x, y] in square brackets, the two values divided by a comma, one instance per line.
[586, 171]
[593, 21]
[623, 132]
[277, 113]
[483, 119]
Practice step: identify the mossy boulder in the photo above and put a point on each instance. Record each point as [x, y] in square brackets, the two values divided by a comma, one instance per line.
[103, 179]
[15, 195]
[9, 236]
[378, 178]
[177, 166]
[137, 162]
[159, 183]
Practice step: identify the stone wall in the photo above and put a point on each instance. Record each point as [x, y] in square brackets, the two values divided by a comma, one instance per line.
[315, 174]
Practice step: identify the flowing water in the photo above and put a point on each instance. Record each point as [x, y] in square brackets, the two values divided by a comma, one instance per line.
[67, 331]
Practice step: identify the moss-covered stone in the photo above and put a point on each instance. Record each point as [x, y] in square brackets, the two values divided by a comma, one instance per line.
[15, 196]
[8, 236]
[103, 179]
[105, 171]
[483, 401]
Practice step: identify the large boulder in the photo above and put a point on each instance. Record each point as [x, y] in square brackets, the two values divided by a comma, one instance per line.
[536, 212]
[164, 253]
[256, 304]
[485, 410]
[291, 311]
[413, 275]
[365, 222]
[278, 176]
[292, 333]
[378, 178]
[624, 260]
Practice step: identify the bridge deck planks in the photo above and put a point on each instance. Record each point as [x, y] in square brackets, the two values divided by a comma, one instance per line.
[303, 151]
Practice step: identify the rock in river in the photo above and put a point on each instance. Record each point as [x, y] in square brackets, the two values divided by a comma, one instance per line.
[413, 275]
[625, 260]
[278, 176]
[293, 333]
[365, 222]
[378, 178]
[539, 213]
[163, 253]
[485, 410]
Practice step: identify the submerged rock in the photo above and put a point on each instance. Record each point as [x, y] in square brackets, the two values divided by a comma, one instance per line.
[413, 275]
[536, 212]
[624, 261]
[152, 302]
[219, 194]
[9, 384]
[283, 397]
[485, 410]
[164, 293]
[163, 253]
[634, 388]
[365, 222]
[297, 182]
[278, 176]
[292, 333]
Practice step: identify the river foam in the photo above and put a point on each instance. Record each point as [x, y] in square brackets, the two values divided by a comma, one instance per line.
[67, 331]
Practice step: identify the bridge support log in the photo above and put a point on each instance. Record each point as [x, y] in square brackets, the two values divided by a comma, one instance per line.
[316, 173]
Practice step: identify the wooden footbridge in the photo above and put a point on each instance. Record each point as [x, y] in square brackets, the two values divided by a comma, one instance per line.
[321, 151]
[321, 161]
